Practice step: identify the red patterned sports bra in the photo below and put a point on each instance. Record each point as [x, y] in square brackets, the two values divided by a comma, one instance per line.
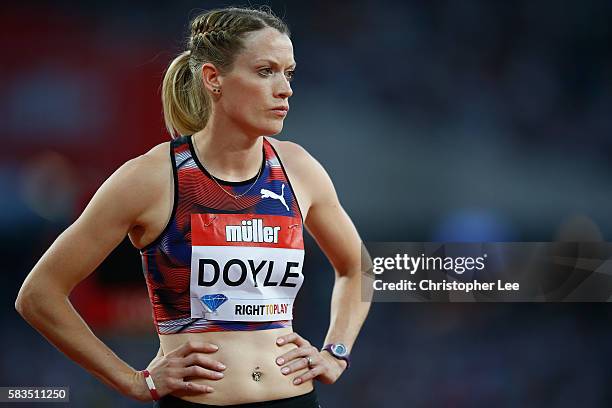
[224, 264]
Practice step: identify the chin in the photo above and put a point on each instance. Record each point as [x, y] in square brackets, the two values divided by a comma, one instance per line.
[271, 130]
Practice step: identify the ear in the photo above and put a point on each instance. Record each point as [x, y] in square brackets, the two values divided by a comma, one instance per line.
[210, 77]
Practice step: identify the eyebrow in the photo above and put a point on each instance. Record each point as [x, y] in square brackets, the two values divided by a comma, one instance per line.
[274, 62]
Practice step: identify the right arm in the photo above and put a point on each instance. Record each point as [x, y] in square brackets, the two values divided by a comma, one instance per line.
[43, 298]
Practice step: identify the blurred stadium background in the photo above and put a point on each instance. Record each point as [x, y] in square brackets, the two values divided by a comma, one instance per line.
[437, 120]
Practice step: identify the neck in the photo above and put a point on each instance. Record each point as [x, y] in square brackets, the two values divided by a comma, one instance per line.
[227, 152]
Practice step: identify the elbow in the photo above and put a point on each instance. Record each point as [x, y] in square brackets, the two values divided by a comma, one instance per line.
[23, 303]
[351, 271]
[34, 296]
[27, 302]
[34, 303]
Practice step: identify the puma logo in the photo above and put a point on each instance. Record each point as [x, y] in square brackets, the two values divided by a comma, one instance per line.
[271, 194]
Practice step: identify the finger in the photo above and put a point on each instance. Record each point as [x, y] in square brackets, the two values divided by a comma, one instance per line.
[292, 338]
[309, 375]
[202, 360]
[197, 371]
[193, 388]
[295, 353]
[295, 365]
[193, 346]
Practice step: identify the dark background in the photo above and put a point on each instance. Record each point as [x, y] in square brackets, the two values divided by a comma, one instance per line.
[437, 121]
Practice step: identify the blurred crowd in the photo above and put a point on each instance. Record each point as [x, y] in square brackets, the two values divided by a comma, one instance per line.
[437, 121]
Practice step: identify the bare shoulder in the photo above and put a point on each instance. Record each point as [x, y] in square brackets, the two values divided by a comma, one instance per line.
[293, 155]
[140, 180]
[158, 155]
[306, 171]
[152, 171]
[153, 166]
[287, 146]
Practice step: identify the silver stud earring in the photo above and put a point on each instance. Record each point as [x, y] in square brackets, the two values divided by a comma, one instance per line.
[216, 90]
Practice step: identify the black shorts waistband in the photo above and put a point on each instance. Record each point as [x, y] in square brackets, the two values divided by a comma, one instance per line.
[308, 400]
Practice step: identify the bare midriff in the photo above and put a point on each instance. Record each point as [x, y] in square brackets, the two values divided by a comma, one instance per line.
[243, 352]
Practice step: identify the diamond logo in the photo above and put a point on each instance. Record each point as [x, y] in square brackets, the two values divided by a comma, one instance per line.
[212, 302]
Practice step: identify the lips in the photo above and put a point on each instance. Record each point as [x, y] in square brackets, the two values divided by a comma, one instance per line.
[280, 111]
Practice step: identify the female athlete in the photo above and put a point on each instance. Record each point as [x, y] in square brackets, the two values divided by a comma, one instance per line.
[218, 215]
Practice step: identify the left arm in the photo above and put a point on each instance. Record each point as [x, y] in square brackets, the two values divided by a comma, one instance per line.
[337, 237]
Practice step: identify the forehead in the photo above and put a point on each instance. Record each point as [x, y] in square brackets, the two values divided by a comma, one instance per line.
[267, 43]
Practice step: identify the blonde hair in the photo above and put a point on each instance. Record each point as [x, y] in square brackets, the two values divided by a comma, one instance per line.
[216, 37]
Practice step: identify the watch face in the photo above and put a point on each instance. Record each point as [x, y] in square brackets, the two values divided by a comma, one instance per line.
[339, 349]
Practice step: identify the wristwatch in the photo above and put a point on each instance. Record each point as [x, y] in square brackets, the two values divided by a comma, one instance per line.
[338, 350]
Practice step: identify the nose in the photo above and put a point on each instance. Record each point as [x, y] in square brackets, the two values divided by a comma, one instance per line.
[283, 89]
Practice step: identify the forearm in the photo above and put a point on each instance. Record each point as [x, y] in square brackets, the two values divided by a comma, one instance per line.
[56, 319]
[348, 309]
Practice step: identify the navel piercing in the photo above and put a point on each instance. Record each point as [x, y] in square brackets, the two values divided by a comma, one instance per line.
[256, 374]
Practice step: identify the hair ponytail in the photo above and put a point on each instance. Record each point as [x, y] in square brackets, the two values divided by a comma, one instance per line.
[186, 105]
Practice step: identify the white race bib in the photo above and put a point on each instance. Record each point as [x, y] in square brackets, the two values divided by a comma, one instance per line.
[245, 267]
